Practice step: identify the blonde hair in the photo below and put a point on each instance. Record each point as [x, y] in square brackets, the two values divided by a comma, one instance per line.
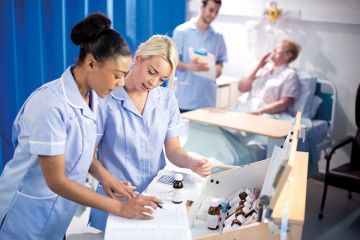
[292, 47]
[163, 46]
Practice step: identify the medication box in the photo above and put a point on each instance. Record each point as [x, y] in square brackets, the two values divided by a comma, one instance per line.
[287, 197]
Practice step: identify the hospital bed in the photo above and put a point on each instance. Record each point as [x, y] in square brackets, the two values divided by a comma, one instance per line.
[217, 134]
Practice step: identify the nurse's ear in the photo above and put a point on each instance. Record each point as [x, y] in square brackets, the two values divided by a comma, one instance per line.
[140, 59]
[89, 62]
[137, 59]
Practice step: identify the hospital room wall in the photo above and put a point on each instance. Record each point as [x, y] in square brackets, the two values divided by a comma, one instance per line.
[329, 32]
[35, 44]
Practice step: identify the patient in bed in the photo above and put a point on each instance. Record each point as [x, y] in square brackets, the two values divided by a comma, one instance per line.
[272, 86]
[275, 90]
[270, 89]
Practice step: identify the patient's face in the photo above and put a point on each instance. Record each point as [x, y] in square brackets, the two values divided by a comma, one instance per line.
[279, 56]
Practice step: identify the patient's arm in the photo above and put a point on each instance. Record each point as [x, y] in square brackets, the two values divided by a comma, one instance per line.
[275, 107]
[245, 83]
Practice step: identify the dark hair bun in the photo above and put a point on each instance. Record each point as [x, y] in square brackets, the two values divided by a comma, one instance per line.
[89, 28]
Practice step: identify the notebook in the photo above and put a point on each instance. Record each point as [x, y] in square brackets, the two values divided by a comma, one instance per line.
[170, 222]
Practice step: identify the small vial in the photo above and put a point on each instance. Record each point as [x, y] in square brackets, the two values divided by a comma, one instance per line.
[178, 189]
[241, 196]
[223, 214]
[238, 221]
[244, 211]
[238, 207]
[213, 218]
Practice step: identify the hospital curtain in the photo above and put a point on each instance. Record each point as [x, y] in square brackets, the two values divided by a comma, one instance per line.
[36, 47]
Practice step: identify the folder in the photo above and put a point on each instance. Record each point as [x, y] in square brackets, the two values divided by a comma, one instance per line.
[204, 57]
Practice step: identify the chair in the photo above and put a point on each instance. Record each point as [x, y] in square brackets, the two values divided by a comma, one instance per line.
[346, 176]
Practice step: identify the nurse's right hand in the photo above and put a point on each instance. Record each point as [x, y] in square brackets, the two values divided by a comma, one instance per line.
[140, 207]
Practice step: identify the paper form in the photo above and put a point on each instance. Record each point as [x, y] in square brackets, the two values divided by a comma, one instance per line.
[169, 222]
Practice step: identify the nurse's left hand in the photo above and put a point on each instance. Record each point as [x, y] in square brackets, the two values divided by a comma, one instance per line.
[118, 189]
[201, 166]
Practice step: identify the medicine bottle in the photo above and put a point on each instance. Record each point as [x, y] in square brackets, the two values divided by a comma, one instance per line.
[178, 189]
[239, 221]
[240, 196]
[244, 211]
[238, 207]
[213, 218]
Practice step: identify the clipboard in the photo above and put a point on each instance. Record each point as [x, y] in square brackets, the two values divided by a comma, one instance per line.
[204, 57]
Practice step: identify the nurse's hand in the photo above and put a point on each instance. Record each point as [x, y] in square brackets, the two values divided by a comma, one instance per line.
[201, 166]
[140, 207]
[118, 189]
[197, 66]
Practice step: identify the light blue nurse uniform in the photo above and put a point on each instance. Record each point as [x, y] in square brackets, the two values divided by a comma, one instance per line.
[54, 120]
[131, 146]
[194, 91]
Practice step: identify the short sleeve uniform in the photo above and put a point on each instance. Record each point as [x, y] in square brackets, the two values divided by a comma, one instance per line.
[54, 120]
[194, 91]
[131, 145]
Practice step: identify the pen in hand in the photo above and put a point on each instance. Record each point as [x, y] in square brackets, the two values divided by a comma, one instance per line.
[136, 193]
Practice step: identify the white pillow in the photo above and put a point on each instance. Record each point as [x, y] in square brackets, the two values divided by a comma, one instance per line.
[304, 101]
[315, 106]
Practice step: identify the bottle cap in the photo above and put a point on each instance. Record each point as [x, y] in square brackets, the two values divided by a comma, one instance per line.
[214, 202]
[178, 177]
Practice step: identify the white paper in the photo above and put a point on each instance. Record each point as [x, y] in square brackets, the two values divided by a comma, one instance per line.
[169, 222]
[209, 59]
[191, 190]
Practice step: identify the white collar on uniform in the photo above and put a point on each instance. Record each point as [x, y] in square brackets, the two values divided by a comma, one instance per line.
[151, 102]
[193, 25]
[73, 96]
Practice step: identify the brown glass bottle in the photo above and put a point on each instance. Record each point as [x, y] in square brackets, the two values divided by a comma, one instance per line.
[213, 218]
[239, 221]
[240, 197]
[178, 189]
[238, 208]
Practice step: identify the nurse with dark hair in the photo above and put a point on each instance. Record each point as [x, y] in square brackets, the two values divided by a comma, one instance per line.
[54, 137]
